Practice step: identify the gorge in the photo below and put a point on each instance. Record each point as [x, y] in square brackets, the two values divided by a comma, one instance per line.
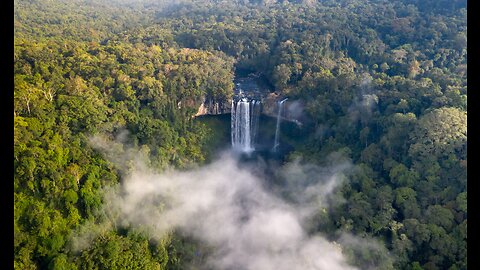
[252, 99]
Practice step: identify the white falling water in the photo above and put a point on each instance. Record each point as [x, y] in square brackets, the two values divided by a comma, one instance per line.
[255, 115]
[233, 123]
[244, 124]
[277, 130]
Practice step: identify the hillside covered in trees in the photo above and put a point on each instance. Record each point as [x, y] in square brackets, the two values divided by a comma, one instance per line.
[382, 82]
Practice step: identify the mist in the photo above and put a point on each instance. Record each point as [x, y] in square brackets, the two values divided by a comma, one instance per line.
[230, 206]
[366, 101]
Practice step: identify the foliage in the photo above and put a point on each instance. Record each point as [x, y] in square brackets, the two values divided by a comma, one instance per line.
[383, 82]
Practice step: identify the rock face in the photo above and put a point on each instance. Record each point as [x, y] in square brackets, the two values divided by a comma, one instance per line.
[270, 104]
[293, 110]
[214, 107]
[253, 88]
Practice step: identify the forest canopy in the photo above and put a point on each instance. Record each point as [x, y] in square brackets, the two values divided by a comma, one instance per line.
[383, 82]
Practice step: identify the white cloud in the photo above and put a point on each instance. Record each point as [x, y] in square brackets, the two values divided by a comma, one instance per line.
[230, 208]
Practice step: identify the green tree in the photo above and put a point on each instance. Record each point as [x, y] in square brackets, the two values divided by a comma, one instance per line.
[440, 216]
[440, 132]
[401, 176]
[281, 76]
[406, 202]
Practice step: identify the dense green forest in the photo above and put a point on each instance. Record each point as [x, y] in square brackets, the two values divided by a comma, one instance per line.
[383, 82]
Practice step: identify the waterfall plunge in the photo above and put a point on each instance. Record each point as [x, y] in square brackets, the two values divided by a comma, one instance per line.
[277, 130]
[244, 124]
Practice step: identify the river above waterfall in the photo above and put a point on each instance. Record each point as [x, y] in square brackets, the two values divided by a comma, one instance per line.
[252, 86]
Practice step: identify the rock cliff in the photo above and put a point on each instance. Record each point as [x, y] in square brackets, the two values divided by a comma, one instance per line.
[214, 107]
[293, 110]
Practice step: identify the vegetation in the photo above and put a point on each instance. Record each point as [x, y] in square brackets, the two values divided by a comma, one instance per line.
[382, 81]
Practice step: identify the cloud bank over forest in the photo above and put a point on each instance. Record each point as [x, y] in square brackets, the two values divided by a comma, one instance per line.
[229, 207]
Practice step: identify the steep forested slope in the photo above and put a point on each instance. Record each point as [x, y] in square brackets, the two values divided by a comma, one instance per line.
[71, 86]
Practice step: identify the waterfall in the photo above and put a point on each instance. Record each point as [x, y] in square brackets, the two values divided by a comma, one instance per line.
[232, 123]
[277, 130]
[255, 113]
[244, 124]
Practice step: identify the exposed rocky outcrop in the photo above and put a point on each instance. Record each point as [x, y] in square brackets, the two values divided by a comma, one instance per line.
[270, 104]
[293, 109]
[214, 107]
